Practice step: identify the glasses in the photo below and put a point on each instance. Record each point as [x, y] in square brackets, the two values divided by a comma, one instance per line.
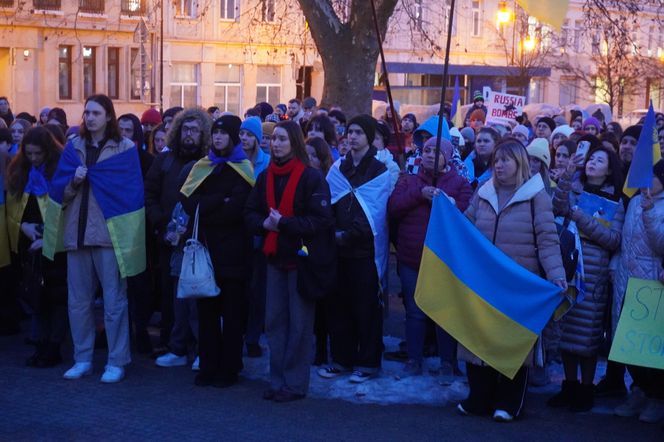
[191, 130]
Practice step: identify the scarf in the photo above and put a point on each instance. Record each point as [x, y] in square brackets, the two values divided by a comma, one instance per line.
[236, 155]
[37, 184]
[294, 168]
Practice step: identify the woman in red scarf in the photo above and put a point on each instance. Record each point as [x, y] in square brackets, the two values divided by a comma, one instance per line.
[289, 205]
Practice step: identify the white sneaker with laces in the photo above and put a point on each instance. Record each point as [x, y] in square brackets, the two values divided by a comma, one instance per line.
[112, 374]
[502, 416]
[653, 412]
[357, 377]
[330, 372]
[636, 402]
[79, 370]
[196, 366]
[171, 360]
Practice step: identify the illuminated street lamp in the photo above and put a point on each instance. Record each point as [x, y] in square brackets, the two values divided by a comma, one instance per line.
[529, 44]
[504, 15]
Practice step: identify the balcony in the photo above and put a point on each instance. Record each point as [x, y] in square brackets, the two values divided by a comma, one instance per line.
[132, 7]
[47, 5]
[92, 6]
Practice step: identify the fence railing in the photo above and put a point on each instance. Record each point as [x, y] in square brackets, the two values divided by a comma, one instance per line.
[93, 6]
[49, 5]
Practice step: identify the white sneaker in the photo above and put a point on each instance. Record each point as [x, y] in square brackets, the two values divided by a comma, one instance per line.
[196, 366]
[330, 372]
[502, 416]
[654, 411]
[171, 360]
[359, 377]
[636, 402]
[112, 374]
[79, 370]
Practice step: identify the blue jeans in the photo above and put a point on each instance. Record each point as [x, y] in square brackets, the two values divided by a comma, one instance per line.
[416, 322]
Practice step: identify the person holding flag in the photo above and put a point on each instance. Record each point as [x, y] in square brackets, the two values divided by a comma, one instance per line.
[96, 207]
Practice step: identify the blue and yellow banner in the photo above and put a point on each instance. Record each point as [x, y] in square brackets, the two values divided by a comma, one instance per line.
[646, 155]
[489, 303]
[117, 185]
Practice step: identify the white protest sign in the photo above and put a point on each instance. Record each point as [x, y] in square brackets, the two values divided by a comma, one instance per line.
[503, 108]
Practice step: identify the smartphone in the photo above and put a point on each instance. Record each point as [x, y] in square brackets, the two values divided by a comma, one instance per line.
[582, 149]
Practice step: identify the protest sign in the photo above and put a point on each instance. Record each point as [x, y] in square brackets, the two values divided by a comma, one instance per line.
[639, 338]
[503, 108]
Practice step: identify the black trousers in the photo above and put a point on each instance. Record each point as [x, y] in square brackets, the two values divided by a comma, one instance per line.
[167, 288]
[356, 316]
[490, 390]
[220, 349]
[650, 380]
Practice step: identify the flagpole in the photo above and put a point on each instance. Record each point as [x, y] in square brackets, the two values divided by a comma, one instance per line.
[443, 92]
[395, 124]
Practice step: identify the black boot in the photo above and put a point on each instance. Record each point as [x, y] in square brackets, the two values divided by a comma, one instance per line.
[584, 400]
[33, 361]
[566, 396]
[50, 357]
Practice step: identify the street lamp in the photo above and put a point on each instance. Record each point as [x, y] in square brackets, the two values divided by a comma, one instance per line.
[504, 15]
[529, 44]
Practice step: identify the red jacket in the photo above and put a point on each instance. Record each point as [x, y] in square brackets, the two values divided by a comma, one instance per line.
[410, 210]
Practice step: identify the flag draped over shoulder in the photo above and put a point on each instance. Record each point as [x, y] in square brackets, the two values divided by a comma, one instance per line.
[551, 12]
[455, 114]
[205, 166]
[489, 303]
[5, 257]
[117, 185]
[646, 155]
[372, 196]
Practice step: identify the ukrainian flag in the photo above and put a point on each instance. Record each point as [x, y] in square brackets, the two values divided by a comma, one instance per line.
[646, 155]
[455, 114]
[5, 257]
[204, 167]
[117, 185]
[490, 304]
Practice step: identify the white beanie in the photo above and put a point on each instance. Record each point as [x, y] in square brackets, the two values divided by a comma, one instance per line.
[565, 129]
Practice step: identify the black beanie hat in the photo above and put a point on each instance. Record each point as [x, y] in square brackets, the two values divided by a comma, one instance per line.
[632, 131]
[368, 125]
[229, 124]
[658, 170]
[548, 121]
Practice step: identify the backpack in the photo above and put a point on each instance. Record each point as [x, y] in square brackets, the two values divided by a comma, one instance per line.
[568, 251]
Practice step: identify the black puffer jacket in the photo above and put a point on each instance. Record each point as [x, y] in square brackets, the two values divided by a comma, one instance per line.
[313, 214]
[350, 220]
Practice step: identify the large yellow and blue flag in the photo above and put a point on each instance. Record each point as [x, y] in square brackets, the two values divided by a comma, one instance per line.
[646, 155]
[5, 257]
[117, 185]
[237, 160]
[551, 12]
[489, 303]
[455, 114]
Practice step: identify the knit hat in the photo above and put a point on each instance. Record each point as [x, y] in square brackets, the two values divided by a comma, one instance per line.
[151, 116]
[274, 118]
[632, 131]
[539, 148]
[477, 95]
[548, 121]
[468, 133]
[368, 125]
[253, 125]
[565, 129]
[268, 128]
[446, 148]
[454, 132]
[521, 129]
[658, 170]
[478, 114]
[592, 121]
[229, 124]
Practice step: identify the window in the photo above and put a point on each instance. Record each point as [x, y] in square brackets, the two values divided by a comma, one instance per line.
[184, 85]
[135, 74]
[6, 3]
[131, 7]
[568, 91]
[448, 8]
[419, 12]
[47, 5]
[227, 91]
[477, 19]
[113, 70]
[596, 41]
[268, 84]
[92, 6]
[185, 8]
[229, 9]
[268, 7]
[89, 71]
[564, 34]
[64, 72]
[577, 35]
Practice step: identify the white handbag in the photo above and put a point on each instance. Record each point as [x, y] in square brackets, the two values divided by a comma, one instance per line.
[196, 275]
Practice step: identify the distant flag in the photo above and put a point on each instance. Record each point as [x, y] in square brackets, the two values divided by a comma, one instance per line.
[646, 155]
[551, 12]
[489, 306]
[455, 115]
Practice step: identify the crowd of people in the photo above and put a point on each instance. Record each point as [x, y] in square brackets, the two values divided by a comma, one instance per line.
[300, 206]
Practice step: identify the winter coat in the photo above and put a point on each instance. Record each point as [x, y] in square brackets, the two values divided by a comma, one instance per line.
[411, 211]
[511, 230]
[357, 239]
[582, 327]
[162, 188]
[220, 199]
[642, 249]
[313, 214]
[96, 231]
